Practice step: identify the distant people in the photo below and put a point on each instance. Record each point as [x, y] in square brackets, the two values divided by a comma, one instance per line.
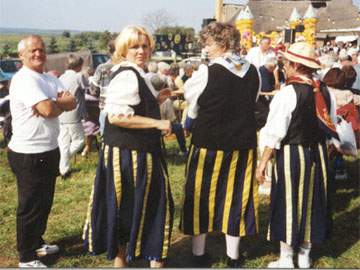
[267, 90]
[302, 115]
[91, 122]
[220, 190]
[36, 101]
[71, 138]
[100, 81]
[256, 55]
[130, 214]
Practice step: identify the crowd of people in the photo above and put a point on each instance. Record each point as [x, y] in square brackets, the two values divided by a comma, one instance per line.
[269, 116]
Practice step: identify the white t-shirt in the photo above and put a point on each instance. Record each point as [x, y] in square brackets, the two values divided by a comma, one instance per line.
[31, 133]
[256, 57]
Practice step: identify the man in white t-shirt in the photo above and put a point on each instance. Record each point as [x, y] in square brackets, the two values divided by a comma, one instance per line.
[257, 55]
[36, 101]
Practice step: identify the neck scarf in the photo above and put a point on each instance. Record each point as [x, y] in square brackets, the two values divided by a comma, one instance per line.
[322, 112]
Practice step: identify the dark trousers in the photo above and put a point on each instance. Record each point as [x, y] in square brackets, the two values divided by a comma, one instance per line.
[36, 175]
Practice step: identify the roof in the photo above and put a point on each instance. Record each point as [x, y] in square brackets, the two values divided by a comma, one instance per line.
[272, 15]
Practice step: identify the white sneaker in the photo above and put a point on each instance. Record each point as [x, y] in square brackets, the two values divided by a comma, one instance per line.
[46, 250]
[304, 261]
[281, 263]
[32, 264]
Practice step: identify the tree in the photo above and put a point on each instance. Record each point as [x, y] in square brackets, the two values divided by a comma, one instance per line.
[72, 47]
[6, 50]
[104, 39]
[53, 47]
[158, 19]
[90, 45]
[66, 34]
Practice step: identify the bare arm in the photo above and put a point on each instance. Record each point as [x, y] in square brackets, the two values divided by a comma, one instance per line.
[140, 122]
[51, 109]
[260, 170]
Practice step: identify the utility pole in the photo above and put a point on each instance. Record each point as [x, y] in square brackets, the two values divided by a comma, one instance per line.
[219, 10]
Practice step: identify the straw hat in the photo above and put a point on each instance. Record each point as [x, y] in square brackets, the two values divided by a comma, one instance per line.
[303, 53]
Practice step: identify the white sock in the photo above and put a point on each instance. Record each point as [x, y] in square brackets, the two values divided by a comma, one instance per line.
[198, 244]
[232, 246]
[286, 251]
[305, 249]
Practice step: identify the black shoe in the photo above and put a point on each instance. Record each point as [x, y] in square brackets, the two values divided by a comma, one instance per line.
[235, 263]
[66, 175]
[203, 261]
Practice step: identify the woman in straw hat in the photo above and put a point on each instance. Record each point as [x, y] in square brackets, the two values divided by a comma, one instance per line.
[221, 189]
[130, 212]
[297, 127]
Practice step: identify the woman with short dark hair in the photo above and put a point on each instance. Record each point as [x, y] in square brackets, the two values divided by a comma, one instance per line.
[220, 189]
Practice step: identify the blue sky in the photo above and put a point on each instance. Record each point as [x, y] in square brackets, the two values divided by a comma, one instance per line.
[100, 15]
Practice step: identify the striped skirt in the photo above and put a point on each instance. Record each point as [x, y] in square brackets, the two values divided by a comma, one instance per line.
[220, 192]
[130, 203]
[299, 208]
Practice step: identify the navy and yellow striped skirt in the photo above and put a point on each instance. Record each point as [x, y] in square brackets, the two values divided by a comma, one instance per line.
[220, 192]
[131, 204]
[299, 207]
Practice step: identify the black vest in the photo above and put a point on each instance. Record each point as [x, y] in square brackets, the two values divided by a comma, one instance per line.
[136, 139]
[304, 128]
[226, 118]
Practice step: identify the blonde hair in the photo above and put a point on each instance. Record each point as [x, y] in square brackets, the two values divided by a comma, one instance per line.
[129, 37]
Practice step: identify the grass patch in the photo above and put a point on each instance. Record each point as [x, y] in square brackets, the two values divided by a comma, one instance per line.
[70, 204]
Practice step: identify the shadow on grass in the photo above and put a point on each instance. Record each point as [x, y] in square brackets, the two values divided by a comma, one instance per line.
[346, 221]
[71, 246]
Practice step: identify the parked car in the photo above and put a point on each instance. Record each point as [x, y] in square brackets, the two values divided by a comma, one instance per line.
[9, 67]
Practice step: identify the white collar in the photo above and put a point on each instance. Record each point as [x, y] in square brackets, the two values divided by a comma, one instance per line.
[234, 63]
[129, 64]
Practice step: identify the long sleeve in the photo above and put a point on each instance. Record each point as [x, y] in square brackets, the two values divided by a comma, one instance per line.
[278, 121]
[193, 88]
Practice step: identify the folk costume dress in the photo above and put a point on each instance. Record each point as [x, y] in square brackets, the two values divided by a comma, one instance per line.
[220, 189]
[299, 208]
[131, 200]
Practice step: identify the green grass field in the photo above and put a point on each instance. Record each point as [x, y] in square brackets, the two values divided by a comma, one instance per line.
[70, 205]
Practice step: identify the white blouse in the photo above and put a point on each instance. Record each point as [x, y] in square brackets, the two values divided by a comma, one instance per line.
[196, 85]
[123, 90]
[281, 108]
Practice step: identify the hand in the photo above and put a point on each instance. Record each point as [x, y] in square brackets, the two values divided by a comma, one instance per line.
[165, 126]
[163, 95]
[66, 101]
[260, 173]
[186, 133]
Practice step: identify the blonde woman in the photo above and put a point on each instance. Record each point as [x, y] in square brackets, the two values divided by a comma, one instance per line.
[131, 208]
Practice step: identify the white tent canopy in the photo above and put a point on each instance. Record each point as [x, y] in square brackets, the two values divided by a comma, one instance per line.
[349, 38]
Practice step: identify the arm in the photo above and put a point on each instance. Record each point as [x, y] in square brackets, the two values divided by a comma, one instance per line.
[140, 122]
[260, 170]
[51, 109]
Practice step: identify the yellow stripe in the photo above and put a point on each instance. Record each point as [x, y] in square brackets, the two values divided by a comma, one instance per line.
[117, 174]
[301, 183]
[256, 199]
[135, 165]
[144, 206]
[197, 191]
[324, 172]
[309, 206]
[213, 185]
[229, 191]
[288, 194]
[167, 218]
[106, 155]
[246, 191]
[189, 159]
[88, 221]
